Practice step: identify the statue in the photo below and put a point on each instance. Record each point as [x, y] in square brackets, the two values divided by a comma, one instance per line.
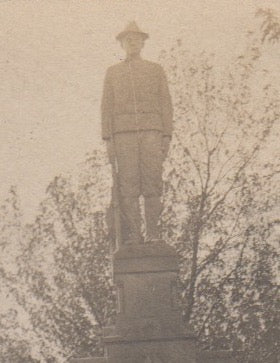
[137, 113]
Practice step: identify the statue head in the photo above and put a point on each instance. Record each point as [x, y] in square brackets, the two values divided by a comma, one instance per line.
[132, 39]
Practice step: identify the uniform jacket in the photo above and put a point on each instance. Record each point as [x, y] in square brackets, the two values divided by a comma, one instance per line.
[136, 97]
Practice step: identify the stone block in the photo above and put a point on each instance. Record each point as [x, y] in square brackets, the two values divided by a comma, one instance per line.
[221, 356]
[88, 360]
[146, 280]
[152, 257]
[148, 328]
[180, 349]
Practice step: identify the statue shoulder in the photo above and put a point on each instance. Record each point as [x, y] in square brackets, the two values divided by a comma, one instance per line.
[154, 67]
[115, 68]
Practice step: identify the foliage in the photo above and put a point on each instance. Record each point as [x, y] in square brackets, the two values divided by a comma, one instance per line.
[221, 198]
[270, 26]
[64, 267]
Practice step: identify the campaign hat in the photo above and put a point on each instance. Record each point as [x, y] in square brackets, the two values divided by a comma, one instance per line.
[132, 27]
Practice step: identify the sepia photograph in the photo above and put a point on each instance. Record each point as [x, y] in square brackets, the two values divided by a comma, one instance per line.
[139, 181]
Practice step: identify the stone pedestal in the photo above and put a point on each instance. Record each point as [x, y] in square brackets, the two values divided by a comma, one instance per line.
[220, 356]
[148, 324]
[89, 360]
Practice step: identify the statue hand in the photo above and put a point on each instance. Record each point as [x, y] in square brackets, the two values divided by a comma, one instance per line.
[165, 145]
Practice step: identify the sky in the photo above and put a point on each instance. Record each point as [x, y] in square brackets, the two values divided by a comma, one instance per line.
[54, 54]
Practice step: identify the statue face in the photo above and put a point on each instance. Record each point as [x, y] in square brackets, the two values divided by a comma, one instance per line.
[133, 43]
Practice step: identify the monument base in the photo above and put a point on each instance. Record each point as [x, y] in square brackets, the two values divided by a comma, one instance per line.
[89, 360]
[149, 328]
[179, 349]
[219, 356]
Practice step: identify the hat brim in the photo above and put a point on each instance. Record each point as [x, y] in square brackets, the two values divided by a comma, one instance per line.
[121, 35]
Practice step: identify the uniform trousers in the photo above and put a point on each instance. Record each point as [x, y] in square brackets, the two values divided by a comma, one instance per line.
[139, 156]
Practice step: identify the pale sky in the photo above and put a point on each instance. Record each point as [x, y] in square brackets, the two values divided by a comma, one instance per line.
[53, 57]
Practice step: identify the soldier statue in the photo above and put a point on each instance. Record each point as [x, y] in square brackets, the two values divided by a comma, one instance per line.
[136, 113]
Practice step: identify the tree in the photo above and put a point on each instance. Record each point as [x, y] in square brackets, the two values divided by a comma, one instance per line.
[63, 283]
[16, 335]
[70, 271]
[215, 177]
[270, 26]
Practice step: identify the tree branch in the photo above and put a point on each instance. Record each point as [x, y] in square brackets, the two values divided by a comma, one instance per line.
[220, 286]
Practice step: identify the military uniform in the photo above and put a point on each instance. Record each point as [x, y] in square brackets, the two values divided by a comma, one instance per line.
[136, 97]
[137, 112]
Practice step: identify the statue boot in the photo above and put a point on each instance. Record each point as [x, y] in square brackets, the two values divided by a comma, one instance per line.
[131, 221]
[153, 209]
